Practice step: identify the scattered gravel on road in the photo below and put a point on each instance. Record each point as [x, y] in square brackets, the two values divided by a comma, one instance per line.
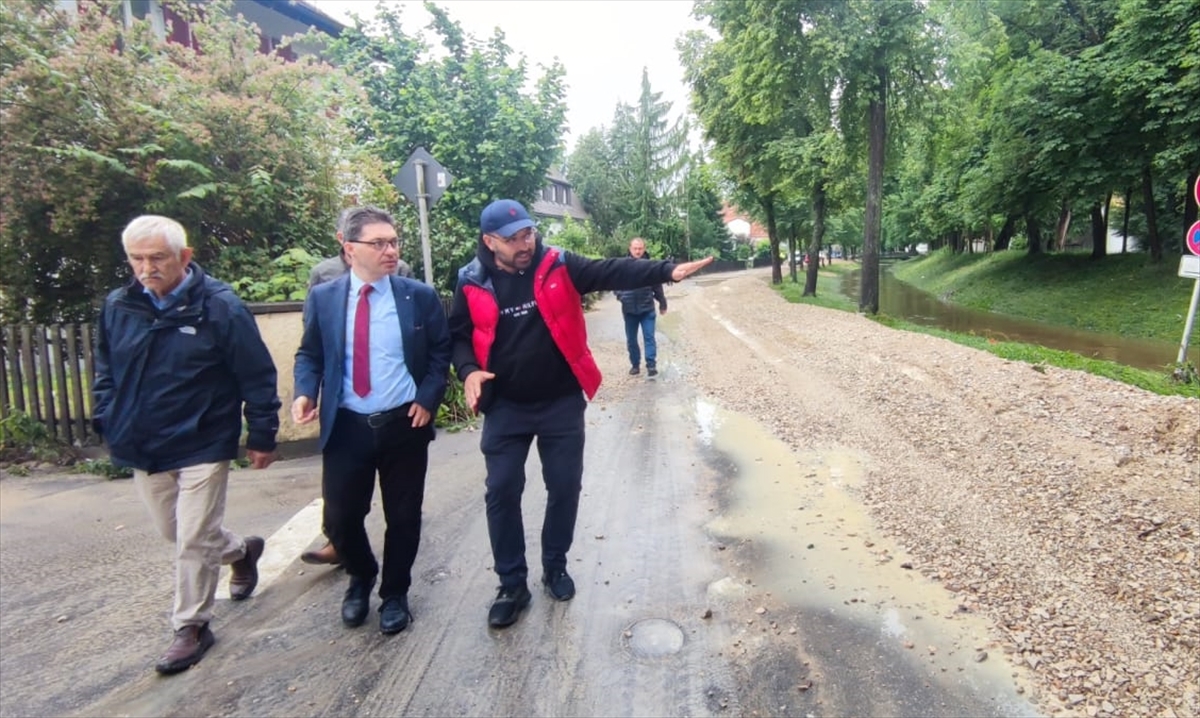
[1062, 506]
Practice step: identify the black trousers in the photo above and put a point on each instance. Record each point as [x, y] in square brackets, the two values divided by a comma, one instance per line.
[509, 429]
[359, 448]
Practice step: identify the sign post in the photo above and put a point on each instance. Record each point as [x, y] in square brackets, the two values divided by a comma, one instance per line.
[1190, 267]
[423, 181]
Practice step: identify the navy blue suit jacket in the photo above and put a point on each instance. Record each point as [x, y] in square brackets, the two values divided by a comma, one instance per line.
[320, 360]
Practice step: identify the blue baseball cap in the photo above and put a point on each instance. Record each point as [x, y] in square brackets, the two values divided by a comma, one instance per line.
[504, 217]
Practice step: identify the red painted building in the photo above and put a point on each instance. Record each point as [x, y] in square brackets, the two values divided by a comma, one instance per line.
[276, 19]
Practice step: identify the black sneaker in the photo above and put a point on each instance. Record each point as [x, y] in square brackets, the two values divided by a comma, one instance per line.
[559, 584]
[507, 607]
[651, 371]
[634, 371]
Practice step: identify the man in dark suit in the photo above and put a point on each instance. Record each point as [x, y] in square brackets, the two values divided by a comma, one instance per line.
[378, 346]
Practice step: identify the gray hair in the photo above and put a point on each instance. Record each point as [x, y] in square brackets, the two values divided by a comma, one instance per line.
[353, 220]
[153, 226]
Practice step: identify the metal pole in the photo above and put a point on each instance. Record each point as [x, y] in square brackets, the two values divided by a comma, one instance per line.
[423, 214]
[1191, 322]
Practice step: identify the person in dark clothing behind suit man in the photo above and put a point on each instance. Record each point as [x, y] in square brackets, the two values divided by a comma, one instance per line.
[520, 347]
[179, 362]
[324, 271]
[638, 307]
[376, 352]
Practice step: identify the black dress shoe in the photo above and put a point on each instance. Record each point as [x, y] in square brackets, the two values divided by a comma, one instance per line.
[507, 607]
[394, 615]
[357, 603]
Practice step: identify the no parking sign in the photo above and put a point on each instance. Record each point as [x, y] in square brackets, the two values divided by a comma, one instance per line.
[1193, 234]
[1189, 269]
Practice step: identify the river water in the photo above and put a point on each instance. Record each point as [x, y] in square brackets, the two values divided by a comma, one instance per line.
[905, 301]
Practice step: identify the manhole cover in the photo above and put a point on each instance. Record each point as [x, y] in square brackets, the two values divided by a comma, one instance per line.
[655, 637]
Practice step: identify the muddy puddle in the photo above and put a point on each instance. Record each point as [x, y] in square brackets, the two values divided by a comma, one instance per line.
[865, 614]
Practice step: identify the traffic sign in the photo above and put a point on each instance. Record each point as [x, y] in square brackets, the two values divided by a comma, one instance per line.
[436, 178]
[1189, 267]
[1196, 191]
[1193, 238]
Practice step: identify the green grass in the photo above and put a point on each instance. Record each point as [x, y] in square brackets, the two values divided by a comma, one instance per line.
[1157, 382]
[828, 280]
[1125, 295]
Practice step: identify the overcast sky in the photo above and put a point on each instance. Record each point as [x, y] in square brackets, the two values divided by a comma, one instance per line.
[604, 44]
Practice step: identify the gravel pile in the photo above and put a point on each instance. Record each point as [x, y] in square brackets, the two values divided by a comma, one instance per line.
[1062, 506]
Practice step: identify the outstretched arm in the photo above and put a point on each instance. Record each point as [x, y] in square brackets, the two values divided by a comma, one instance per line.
[687, 269]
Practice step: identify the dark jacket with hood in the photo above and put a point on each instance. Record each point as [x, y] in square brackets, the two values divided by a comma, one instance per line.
[641, 300]
[171, 383]
[499, 321]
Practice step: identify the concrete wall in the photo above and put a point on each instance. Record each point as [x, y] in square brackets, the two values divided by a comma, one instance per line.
[281, 327]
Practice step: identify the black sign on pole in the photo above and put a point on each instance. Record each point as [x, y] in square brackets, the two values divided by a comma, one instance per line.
[437, 178]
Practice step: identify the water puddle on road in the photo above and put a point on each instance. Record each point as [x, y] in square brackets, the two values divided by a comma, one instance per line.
[816, 550]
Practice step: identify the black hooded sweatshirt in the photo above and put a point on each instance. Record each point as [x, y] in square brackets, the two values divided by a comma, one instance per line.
[526, 361]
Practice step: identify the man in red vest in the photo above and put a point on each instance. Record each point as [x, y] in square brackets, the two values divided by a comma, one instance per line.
[520, 348]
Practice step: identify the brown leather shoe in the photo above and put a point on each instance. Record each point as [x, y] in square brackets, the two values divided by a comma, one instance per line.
[327, 554]
[245, 569]
[189, 646]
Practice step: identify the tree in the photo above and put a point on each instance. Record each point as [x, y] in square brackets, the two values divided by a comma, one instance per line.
[593, 177]
[102, 123]
[470, 108]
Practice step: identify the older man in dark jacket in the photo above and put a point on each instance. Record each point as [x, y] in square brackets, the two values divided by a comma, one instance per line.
[177, 359]
[638, 307]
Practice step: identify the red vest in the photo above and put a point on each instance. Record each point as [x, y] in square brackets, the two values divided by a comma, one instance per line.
[561, 308]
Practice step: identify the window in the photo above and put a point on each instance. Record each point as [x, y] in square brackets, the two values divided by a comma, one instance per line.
[150, 10]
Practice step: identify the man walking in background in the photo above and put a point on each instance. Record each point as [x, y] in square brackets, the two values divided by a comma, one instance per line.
[178, 356]
[637, 305]
[376, 354]
[520, 347]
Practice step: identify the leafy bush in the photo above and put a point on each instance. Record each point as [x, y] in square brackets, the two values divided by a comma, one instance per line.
[103, 467]
[103, 122]
[454, 414]
[283, 279]
[23, 438]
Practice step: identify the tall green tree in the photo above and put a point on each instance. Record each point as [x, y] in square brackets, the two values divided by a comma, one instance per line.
[737, 140]
[594, 178]
[638, 177]
[102, 122]
[474, 106]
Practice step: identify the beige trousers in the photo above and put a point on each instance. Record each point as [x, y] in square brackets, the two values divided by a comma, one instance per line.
[188, 506]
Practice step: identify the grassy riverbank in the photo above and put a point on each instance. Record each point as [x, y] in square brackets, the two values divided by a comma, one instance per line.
[1124, 294]
[1127, 295]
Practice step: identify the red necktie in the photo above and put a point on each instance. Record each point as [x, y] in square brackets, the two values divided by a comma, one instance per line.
[362, 343]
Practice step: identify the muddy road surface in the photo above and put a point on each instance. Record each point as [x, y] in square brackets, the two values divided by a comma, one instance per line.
[727, 558]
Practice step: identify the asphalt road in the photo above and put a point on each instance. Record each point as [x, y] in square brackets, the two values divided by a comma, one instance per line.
[684, 607]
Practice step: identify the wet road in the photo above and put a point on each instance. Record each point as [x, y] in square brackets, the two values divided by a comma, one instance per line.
[718, 573]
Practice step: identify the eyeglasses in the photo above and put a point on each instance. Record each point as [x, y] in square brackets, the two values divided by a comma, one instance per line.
[525, 235]
[378, 244]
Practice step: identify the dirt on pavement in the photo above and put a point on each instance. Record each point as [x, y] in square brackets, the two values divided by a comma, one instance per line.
[1061, 507]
